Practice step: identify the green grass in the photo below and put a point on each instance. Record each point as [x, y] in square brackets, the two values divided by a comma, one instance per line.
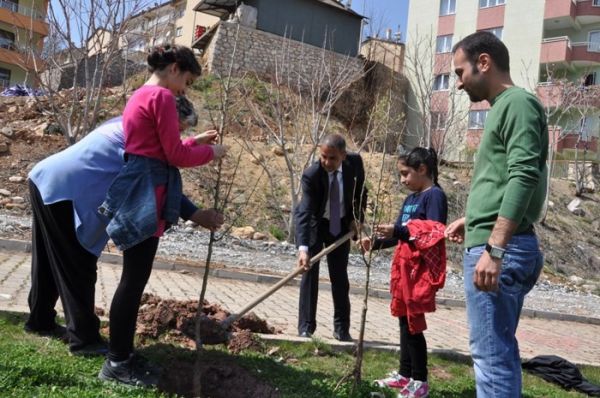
[32, 366]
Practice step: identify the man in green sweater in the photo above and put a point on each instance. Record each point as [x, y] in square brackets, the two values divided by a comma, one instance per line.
[502, 259]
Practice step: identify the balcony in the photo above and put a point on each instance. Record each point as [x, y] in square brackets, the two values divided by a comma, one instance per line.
[10, 56]
[587, 12]
[556, 50]
[573, 141]
[23, 17]
[567, 14]
[568, 94]
[585, 54]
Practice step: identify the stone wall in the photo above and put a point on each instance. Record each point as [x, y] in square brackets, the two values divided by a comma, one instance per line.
[263, 53]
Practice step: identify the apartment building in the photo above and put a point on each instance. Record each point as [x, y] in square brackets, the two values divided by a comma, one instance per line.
[22, 25]
[171, 22]
[548, 40]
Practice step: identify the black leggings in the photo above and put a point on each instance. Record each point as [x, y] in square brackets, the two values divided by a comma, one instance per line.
[413, 353]
[137, 266]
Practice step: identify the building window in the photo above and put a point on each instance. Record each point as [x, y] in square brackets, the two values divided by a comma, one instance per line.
[594, 41]
[585, 127]
[590, 79]
[490, 3]
[4, 78]
[180, 12]
[7, 40]
[496, 32]
[444, 44]
[477, 119]
[12, 5]
[441, 82]
[447, 7]
[438, 121]
[596, 3]
[179, 31]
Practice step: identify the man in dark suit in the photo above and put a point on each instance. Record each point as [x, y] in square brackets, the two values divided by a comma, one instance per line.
[333, 203]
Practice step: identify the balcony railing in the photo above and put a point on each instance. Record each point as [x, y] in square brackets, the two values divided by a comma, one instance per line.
[556, 49]
[21, 9]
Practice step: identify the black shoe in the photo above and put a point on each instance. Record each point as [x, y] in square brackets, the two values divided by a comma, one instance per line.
[342, 336]
[56, 332]
[128, 372]
[305, 334]
[99, 348]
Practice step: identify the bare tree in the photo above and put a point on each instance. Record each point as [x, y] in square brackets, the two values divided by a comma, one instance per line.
[567, 103]
[434, 99]
[84, 45]
[295, 111]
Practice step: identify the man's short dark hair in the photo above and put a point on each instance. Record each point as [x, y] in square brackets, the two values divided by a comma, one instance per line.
[484, 42]
[335, 141]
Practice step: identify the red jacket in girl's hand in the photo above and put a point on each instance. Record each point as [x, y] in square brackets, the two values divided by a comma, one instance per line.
[418, 272]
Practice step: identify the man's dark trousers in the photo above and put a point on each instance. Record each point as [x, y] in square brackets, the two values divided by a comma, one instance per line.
[60, 266]
[337, 262]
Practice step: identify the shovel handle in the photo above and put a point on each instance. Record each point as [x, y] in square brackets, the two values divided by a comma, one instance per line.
[234, 317]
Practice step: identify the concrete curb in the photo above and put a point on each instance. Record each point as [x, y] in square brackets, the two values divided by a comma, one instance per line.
[116, 259]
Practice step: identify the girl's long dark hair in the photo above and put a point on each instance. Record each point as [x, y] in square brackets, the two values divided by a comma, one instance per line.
[418, 156]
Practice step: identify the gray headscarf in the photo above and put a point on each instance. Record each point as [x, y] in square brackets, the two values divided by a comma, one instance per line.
[186, 111]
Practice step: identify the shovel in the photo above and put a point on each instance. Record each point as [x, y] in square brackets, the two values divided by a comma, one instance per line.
[226, 324]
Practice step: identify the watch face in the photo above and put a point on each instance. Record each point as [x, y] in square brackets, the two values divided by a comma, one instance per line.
[496, 253]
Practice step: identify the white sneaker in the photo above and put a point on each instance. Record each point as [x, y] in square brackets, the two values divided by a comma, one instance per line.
[415, 389]
[394, 380]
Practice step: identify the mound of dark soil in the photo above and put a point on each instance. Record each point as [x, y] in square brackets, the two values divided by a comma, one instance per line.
[177, 320]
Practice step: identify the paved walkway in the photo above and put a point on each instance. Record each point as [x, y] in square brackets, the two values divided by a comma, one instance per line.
[577, 342]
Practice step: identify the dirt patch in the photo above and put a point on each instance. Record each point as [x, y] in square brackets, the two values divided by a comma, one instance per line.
[214, 378]
[177, 321]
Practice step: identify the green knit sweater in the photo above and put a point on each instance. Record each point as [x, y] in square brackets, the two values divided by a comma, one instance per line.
[510, 173]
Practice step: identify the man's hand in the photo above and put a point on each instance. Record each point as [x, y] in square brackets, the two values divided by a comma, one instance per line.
[208, 137]
[487, 273]
[210, 219]
[365, 244]
[384, 230]
[455, 232]
[303, 260]
[355, 229]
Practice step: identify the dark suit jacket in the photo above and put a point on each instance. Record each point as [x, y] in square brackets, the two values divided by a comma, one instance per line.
[315, 192]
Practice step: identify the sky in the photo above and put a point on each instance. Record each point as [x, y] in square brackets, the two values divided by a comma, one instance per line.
[383, 14]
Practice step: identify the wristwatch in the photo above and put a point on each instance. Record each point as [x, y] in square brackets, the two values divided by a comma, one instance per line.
[495, 251]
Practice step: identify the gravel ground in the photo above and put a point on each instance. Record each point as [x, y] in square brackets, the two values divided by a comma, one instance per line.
[279, 258]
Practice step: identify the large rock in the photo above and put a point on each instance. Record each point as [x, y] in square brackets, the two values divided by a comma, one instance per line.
[576, 280]
[21, 206]
[17, 199]
[5, 192]
[277, 150]
[259, 236]
[243, 232]
[574, 208]
[7, 131]
[16, 179]
[40, 129]
[3, 147]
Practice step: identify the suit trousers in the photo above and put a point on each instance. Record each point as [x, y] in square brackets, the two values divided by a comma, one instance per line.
[61, 267]
[337, 262]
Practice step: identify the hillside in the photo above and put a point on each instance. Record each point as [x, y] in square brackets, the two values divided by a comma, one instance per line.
[571, 242]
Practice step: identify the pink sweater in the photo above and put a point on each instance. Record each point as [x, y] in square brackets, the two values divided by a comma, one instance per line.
[151, 126]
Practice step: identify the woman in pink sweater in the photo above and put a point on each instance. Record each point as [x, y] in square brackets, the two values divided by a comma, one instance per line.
[144, 198]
